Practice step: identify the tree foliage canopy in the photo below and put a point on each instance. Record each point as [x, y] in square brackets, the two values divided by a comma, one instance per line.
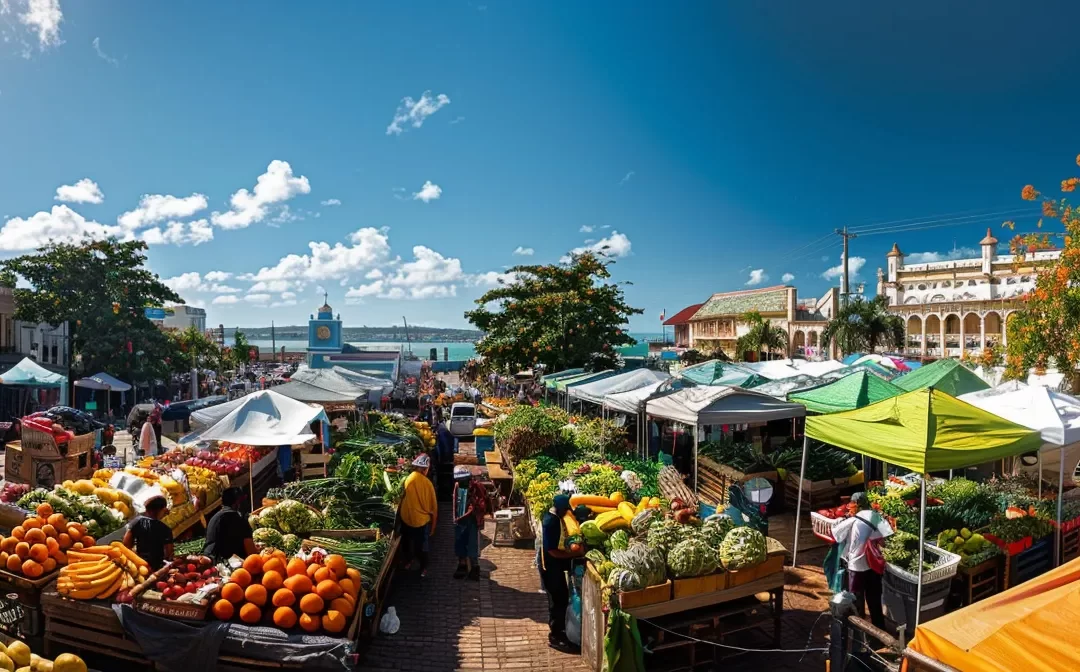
[763, 336]
[101, 289]
[862, 326]
[1047, 331]
[560, 315]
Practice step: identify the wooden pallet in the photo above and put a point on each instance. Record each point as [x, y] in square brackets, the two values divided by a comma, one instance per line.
[972, 584]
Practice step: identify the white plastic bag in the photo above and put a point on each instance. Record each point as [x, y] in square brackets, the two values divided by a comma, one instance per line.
[573, 625]
[390, 622]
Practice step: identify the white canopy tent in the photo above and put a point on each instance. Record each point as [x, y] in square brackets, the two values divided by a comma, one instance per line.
[266, 418]
[627, 381]
[631, 401]
[1055, 415]
[206, 417]
[778, 369]
[720, 405]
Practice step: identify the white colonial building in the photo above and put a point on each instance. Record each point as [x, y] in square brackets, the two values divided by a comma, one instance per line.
[955, 307]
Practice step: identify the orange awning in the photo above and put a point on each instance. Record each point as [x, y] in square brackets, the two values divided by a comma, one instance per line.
[1031, 627]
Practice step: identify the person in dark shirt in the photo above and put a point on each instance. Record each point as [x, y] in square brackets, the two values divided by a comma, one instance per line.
[228, 533]
[554, 562]
[150, 538]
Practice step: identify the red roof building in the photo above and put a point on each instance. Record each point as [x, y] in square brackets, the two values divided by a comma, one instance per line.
[681, 322]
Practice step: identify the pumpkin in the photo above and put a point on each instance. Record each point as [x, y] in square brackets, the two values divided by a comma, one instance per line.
[311, 604]
[223, 609]
[284, 617]
[249, 613]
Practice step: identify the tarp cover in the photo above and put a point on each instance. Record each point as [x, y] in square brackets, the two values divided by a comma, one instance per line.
[596, 390]
[1028, 627]
[114, 384]
[1055, 415]
[179, 647]
[266, 418]
[711, 405]
[715, 372]
[853, 391]
[781, 388]
[205, 417]
[550, 378]
[925, 430]
[582, 379]
[31, 374]
[630, 402]
[947, 375]
[778, 369]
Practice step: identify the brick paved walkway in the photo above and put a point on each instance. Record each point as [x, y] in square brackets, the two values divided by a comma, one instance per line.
[500, 622]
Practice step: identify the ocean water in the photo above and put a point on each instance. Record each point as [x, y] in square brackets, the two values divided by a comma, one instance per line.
[458, 351]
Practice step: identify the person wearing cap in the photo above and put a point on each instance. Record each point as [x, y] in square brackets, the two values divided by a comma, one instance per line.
[419, 512]
[470, 505]
[554, 561]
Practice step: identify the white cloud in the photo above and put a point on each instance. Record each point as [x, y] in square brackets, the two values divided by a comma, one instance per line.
[44, 17]
[757, 276]
[399, 193]
[331, 201]
[257, 298]
[193, 282]
[373, 274]
[457, 120]
[428, 193]
[414, 112]
[276, 185]
[271, 286]
[429, 275]
[288, 295]
[154, 208]
[626, 178]
[855, 264]
[217, 276]
[951, 255]
[83, 191]
[369, 248]
[616, 245]
[491, 279]
[224, 300]
[102, 55]
[180, 233]
[787, 277]
[61, 224]
[524, 251]
[585, 228]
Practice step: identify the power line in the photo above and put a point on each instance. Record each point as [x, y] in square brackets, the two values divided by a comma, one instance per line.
[955, 221]
[947, 216]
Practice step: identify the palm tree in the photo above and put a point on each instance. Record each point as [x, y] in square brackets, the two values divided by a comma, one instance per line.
[864, 325]
[762, 336]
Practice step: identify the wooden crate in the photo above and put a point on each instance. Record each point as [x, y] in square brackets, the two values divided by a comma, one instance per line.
[1070, 545]
[695, 585]
[715, 480]
[1030, 563]
[979, 582]
[650, 595]
[181, 611]
[740, 577]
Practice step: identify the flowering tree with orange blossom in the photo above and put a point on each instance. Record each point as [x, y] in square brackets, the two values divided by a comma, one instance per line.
[1047, 331]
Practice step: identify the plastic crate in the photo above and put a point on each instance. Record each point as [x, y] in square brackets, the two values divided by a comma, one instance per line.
[945, 568]
[822, 526]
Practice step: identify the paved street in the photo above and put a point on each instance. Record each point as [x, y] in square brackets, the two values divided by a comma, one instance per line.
[500, 622]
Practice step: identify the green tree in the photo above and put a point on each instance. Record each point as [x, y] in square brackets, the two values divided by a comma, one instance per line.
[240, 354]
[101, 289]
[763, 336]
[196, 349]
[862, 326]
[560, 315]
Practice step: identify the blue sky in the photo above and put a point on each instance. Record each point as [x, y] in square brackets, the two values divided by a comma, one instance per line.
[712, 144]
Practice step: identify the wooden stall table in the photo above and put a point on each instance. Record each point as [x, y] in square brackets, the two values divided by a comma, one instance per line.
[199, 516]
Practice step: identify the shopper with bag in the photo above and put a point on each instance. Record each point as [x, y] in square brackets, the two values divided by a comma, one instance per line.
[554, 562]
[859, 540]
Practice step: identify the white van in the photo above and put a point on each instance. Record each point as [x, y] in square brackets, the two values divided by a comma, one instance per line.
[462, 420]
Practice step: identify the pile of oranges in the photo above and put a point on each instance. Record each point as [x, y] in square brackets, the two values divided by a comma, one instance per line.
[40, 544]
[319, 593]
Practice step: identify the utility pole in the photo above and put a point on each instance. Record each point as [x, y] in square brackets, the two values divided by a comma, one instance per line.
[273, 340]
[844, 287]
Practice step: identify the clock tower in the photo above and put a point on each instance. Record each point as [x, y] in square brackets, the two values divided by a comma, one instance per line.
[324, 335]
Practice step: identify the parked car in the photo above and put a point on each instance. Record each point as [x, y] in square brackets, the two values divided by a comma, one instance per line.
[462, 420]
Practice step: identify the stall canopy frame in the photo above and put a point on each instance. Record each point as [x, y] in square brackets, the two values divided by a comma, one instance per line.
[944, 375]
[856, 390]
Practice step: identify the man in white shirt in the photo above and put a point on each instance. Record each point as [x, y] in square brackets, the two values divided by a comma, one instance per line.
[854, 534]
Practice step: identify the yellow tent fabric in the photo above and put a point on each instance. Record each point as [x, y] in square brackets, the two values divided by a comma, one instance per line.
[925, 430]
[1031, 627]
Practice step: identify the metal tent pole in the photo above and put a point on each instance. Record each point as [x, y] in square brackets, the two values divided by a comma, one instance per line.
[798, 502]
[922, 540]
[1061, 490]
[696, 429]
[1038, 469]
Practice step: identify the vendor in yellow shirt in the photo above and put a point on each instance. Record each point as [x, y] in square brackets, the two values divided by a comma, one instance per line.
[419, 513]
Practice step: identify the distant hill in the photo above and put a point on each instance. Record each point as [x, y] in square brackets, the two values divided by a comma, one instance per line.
[360, 334]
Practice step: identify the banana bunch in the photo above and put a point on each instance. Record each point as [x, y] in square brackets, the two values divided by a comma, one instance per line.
[177, 494]
[96, 573]
[203, 483]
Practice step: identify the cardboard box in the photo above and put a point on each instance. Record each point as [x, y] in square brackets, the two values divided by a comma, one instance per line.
[650, 595]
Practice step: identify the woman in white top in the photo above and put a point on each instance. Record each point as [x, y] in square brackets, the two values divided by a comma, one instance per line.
[867, 528]
[148, 439]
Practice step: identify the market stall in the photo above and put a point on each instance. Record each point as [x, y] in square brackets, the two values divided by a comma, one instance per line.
[850, 392]
[1028, 627]
[715, 372]
[104, 382]
[703, 406]
[595, 391]
[945, 375]
[28, 384]
[923, 431]
[54, 445]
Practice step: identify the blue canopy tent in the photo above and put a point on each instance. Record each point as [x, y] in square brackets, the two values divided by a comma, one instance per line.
[103, 381]
[26, 377]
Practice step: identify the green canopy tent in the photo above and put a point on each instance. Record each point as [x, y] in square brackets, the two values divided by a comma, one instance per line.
[550, 379]
[715, 372]
[925, 430]
[850, 392]
[946, 375]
